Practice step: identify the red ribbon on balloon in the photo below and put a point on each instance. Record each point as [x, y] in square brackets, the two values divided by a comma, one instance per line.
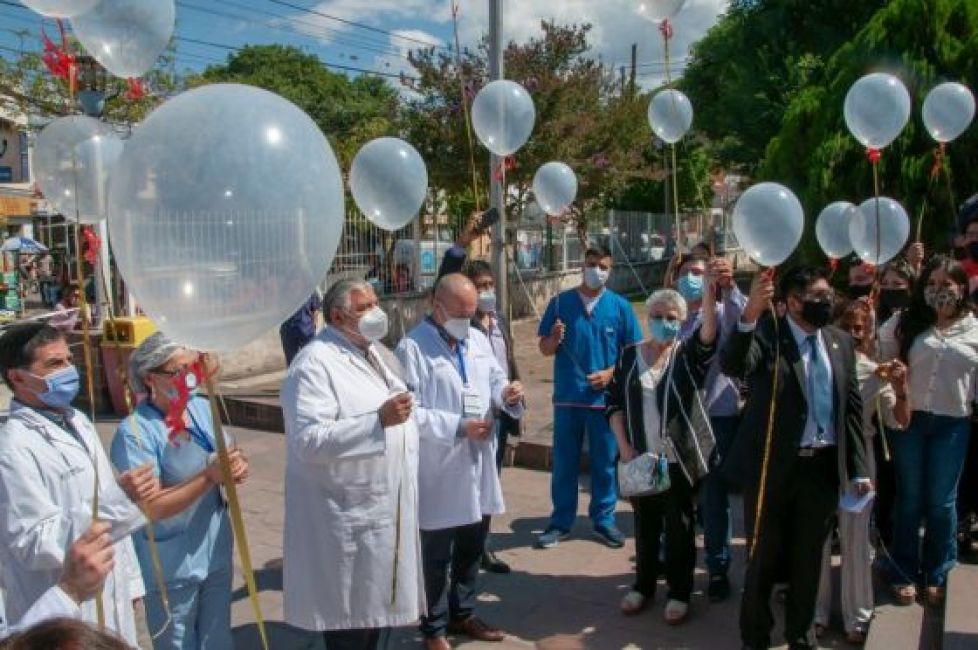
[938, 165]
[666, 29]
[57, 59]
[508, 163]
[134, 89]
[874, 155]
[91, 245]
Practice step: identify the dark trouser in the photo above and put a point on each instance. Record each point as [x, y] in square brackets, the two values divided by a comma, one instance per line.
[675, 507]
[292, 342]
[366, 639]
[715, 503]
[885, 487]
[796, 521]
[968, 486]
[451, 595]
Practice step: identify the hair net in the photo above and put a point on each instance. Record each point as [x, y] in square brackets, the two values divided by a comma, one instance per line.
[151, 354]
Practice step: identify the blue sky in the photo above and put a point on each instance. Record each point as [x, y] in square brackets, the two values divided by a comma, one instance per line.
[388, 29]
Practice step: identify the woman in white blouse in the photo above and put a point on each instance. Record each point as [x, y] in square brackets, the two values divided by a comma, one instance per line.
[938, 340]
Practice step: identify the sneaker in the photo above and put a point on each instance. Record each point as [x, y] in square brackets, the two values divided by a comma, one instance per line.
[610, 536]
[676, 612]
[719, 588]
[633, 603]
[551, 537]
[492, 564]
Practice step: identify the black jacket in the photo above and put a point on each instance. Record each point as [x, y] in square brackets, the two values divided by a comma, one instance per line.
[688, 423]
[751, 356]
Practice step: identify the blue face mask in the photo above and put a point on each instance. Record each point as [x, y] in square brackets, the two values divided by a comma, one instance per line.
[690, 286]
[61, 388]
[663, 330]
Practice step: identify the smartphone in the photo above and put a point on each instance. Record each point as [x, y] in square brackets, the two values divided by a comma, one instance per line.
[488, 219]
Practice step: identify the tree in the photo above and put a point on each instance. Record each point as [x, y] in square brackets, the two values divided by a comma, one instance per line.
[924, 43]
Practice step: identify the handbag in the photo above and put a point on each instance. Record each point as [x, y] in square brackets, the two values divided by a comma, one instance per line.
[644, 475]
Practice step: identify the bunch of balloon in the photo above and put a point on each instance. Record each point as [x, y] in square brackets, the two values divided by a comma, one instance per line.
[832, 231]
[768, 221]
[948, 111]
[225, 212]
[876, 109]
[671, 116]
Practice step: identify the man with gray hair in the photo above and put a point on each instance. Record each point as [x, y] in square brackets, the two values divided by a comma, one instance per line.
[351, 549]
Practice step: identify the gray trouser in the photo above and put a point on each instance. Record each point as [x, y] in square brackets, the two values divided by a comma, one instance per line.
[857, 573]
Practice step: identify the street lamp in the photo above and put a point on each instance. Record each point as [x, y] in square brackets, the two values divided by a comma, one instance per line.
[92, 81]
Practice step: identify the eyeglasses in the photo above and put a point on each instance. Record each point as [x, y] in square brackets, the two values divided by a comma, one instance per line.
[820, 296]
[175, 372]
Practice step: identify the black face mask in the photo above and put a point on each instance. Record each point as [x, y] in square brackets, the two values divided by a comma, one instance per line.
[859, 290]
[973, 251]
[893, 299]
[960, 253]
[817, 313]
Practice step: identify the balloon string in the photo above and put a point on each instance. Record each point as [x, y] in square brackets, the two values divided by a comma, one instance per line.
[769, 434]
[675, 192]
[950, 185]
[665, 28]
[875, 161]
[465, 109]
[234, 506]
[935, 171]
[154, 552]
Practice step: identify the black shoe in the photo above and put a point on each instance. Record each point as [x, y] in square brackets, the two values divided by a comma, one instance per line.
[719, 588]
[493, 564]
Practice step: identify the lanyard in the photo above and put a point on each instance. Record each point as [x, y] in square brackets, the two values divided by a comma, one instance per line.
[461, 363]
[196, 432]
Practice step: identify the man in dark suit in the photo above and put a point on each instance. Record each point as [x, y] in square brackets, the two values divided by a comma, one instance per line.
[816, 447]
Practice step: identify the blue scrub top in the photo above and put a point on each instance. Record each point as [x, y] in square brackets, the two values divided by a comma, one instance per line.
[592, 342]
[198, 540]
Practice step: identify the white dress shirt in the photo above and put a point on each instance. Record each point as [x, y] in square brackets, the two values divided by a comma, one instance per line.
[810, 437]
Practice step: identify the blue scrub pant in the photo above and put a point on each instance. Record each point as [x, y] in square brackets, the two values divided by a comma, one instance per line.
[715, 502]
[200, 614]
[570, 425]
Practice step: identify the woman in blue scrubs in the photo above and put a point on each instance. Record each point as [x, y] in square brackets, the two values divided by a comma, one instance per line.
[193, 531]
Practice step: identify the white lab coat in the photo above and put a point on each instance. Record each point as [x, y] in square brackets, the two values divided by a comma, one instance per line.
[47, 485]
[458, 480]
[343, 478]
[53, 603]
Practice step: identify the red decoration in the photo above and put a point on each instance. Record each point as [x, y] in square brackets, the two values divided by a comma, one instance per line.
[874, 155]
[666, 29]
[833, 266]
[91, 245]
[134, 89]
[178, 404]
[508, 163]
[938, 161]
[58, 60]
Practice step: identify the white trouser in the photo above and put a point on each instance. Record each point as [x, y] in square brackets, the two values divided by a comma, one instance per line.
[857, 573]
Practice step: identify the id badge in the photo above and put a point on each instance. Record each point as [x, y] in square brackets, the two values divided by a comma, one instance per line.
[472, 408]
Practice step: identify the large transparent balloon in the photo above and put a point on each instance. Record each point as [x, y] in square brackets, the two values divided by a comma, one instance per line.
[832, 229]
[503, 116]
[894, 228]
[876, 109]
[389, 182]
[670, 115]
[659, 9]
[126, 36]
[948, 111]
[72, 160]
[768, 220]
[225, 210]
[60, 8]
[554, 187]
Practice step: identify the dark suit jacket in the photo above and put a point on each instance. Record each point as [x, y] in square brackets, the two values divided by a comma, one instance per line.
[751, 356]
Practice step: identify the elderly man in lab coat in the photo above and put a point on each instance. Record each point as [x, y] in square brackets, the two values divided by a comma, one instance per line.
[52, 470]
[458, 385]
[352, 558]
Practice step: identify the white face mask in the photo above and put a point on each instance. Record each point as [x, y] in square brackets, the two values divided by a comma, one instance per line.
[595, 277]
[373, 324]
[457, 328]
[487, 302]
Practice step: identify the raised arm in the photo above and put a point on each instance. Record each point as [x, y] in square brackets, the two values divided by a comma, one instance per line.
[742, 354]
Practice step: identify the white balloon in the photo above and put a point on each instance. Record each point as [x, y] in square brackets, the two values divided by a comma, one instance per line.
[832, 229]
[225, 211]
[670, 115]
[768, 221]
[876, 109]
[126, 36]
[894, 229]
[389, 182]
[948, 111]
[72, 159]
[503, 116]
[659, 9]
[60, 8]
[554, 187]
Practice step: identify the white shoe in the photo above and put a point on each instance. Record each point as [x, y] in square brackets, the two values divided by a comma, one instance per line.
[676, 612]
[633, 603]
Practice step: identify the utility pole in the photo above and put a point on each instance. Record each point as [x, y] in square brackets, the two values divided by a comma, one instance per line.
[624, 88]
[631, 79]
[496, 164]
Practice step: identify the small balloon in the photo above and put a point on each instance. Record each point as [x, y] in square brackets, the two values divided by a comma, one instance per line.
[832, 229]
[948, 111]
[894, 228]
[554, 187]
[876, 109]
[503, 116]
[126, 36]
[768, 221]
[670, 115]
[60, 8]
[389, 182]
[225, 211]
[72, 160]
[659, 9]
